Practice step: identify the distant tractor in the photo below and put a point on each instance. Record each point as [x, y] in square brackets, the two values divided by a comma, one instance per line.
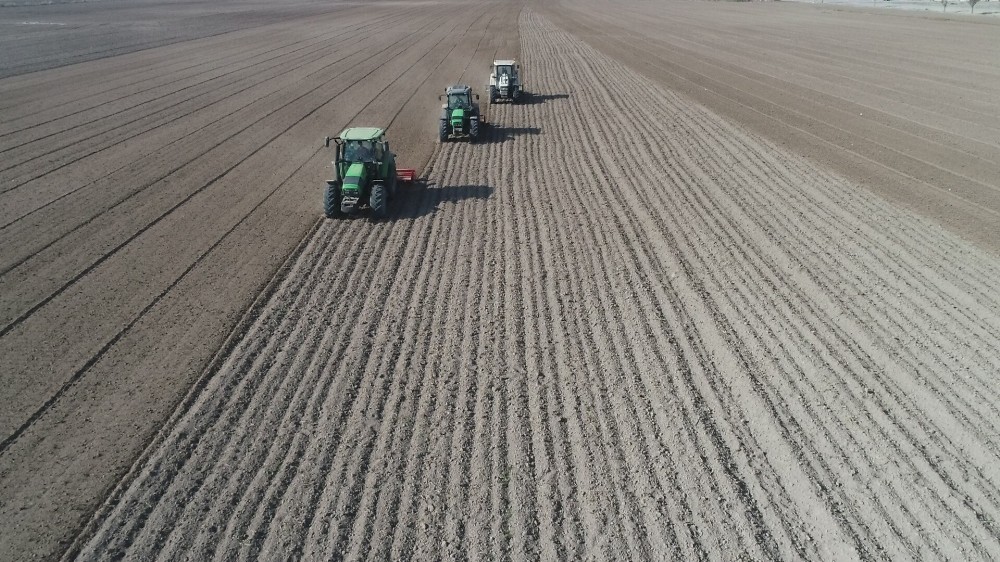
[505, 81]
[460, 117]
[364, 174]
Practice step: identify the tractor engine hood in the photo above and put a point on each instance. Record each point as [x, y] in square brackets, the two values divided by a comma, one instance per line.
[354, 178]
[457, 115]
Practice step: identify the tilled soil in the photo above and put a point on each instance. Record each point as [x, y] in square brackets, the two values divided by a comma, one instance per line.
[622, 326]
[41, 34]
[902, 104]
[147, 199]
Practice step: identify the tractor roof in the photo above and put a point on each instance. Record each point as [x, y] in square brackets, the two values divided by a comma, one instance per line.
[504, 62]
[458, 89]
[361, 133]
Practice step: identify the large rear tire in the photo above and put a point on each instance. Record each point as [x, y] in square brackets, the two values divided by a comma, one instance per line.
[331, 201]
[379, 200]
[473, 129]
[493, 94]
[443, 131]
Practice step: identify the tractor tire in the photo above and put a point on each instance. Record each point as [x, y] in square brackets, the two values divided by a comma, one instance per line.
[331, 202]
[493, 94]
[473, 130]
[443, 131]
[515, 96]
[379, 200]
[393, 185]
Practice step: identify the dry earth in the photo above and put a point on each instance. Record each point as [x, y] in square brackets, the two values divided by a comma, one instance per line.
[903, 104]
[146, 206]
[654, 314]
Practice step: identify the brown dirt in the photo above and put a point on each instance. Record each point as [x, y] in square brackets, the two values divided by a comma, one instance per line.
[903, 104]
[623, 326]
[146, 207]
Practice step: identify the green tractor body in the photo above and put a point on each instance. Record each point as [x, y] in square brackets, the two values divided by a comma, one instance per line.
[355, 178]
[364, 173]
[460, 117]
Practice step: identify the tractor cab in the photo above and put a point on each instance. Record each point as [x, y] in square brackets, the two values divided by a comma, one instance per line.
[360, 145]
[362, 151]
[458, 98]
[459, 101]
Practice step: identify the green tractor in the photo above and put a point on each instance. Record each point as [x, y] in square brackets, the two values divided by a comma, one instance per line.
[460, 115]
[364, 174]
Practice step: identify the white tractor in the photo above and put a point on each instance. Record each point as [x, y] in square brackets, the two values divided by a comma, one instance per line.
[505, 81]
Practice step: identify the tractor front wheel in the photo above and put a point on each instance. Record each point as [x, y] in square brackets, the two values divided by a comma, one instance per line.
[493, 94]
[379, 200]
[443, 131]
[331, 201]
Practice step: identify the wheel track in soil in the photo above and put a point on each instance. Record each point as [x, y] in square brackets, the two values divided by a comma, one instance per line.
[934, 185]
[159, 64]
[828, 267]
[394, 98]
[351, 471]
[229, 114]
[90, 268]
[780, 50]
[115, 179]
[713, 435]
[919, 161]
[154, 72]
[384, 505]
[719, 168]
[362, 268]
[131, 163]
[109, 95]
[966, 74]
[60, 60]
[15, 322]
[589, 154]
[20, 152]
[686, 350]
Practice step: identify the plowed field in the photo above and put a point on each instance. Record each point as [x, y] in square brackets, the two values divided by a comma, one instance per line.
[632, 322]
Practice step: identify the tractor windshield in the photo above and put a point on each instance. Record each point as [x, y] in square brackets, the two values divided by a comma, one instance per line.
[359, 151]
[503, 71]
[456, 101]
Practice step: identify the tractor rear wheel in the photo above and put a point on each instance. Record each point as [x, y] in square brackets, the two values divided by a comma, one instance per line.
[331, 201]
[473, 129]
[379, 200]
[443, 131]
[493, 94]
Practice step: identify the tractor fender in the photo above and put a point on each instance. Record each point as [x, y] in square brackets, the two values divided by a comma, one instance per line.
[444, 113]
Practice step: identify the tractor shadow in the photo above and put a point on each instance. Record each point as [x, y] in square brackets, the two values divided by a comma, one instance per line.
[534, 99]
[423, 198]
[491, 133]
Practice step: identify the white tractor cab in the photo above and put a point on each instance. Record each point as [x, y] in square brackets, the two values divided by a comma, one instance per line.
[505, 81]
